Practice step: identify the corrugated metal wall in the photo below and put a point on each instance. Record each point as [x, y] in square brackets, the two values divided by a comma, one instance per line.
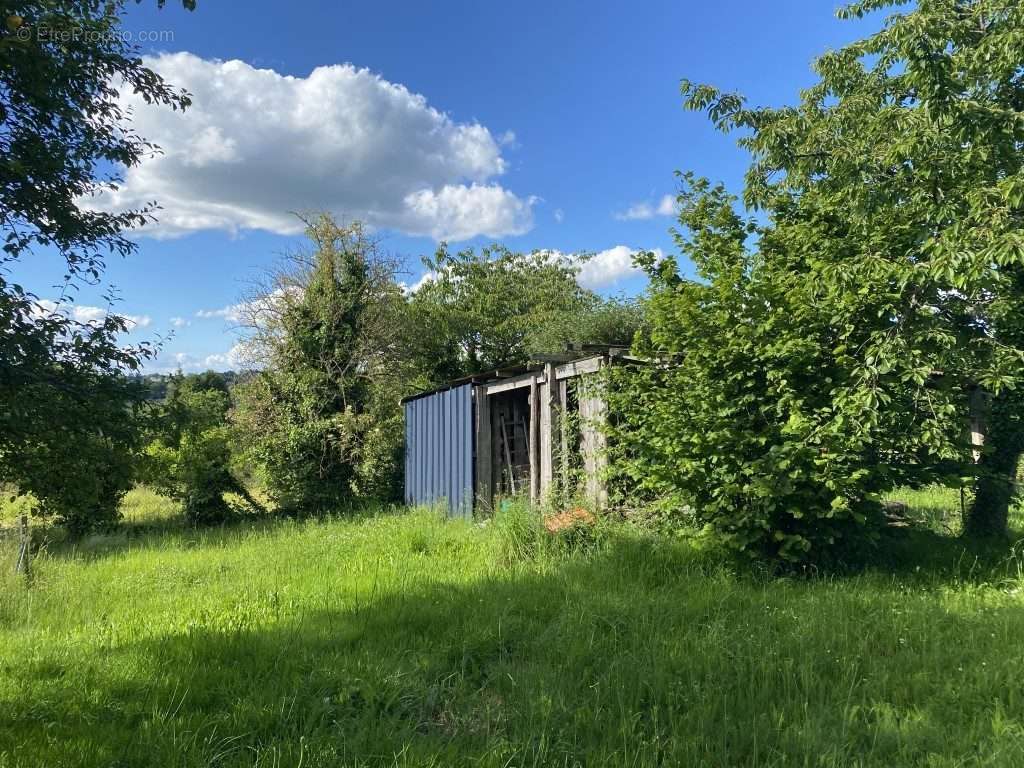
[439, 450]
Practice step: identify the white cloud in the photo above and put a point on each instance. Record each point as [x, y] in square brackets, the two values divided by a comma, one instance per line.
[82, 313]
[666, 206]
[179, 322]
[186, 362]
[610, 267]
[231, 313]
[559, 215]
[138, 321]
[256, 145]
[250, 311]
[225, 361]
[603, 269]
[458, 212]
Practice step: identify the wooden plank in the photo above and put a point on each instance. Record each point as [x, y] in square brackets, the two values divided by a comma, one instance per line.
[496, 459]
[484, 466]
[593, 409]
[534, 442]
[525, 380]
[563, 436]
[509, 466]
[579, 367]
[546, 442]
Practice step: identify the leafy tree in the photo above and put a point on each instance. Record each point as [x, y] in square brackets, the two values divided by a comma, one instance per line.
[322, 417]
[63, 137]
[495, 308]
[69, 429]
[733, 422]
[847, 332]
[189, 456]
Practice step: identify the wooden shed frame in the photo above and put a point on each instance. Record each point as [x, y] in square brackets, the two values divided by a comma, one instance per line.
[548, 398]
[543, 392]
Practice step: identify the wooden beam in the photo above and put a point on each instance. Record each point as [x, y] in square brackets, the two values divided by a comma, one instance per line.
[534, 442]
[579, 367]
[593, 444]
[484, 466]
[546, 442]
[524, 380]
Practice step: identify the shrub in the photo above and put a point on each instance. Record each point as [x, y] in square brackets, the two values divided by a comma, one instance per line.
[190, 458]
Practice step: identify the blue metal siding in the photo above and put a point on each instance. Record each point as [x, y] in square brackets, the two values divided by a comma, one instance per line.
[439, 450]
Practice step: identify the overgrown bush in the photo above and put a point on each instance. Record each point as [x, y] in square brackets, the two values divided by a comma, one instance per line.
[322, 418]
[732, 425]
[189, 457]
[81, 465]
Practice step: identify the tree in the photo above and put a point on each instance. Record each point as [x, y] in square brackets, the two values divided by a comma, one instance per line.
[322, 417]
[886, 268]
[480, 311]
[189, 453]
[61, 129]
[69, 429]
[733, 420]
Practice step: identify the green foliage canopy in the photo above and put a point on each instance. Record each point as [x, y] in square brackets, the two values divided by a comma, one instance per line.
[66, 423]
[496, 307]
[322, 417]
[835, 342]
[189, 456]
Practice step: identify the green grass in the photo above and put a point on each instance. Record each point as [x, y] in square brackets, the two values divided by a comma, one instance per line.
[401, 639]
[936, 507]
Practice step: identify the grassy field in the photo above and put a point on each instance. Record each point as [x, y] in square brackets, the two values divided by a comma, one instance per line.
[401, 639]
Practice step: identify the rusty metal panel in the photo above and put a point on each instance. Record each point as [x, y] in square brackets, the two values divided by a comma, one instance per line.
[439, 450]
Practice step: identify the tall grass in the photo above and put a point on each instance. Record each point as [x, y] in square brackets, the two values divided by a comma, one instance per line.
[404, 639]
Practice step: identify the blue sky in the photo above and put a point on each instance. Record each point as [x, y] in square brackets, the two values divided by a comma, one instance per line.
[540, 125]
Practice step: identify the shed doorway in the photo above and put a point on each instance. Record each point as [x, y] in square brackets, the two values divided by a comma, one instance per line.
[511, 442]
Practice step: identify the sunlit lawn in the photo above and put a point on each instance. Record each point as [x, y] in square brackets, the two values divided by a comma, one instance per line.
[401, 639]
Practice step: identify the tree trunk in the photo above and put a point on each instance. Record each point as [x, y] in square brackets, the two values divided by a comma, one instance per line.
[999, 428]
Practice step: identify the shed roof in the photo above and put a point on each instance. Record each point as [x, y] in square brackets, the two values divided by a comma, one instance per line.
[573, 352]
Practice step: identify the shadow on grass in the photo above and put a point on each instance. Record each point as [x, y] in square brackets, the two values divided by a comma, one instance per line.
[634, 654]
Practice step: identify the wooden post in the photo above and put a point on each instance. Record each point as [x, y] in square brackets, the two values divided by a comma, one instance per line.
[484, 464]
[534, 442]
[563, 437]
[546, 442]
[24, 564]
[593, 408]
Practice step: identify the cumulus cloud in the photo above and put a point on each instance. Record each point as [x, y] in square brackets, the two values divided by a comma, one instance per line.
[225, 361]
[179, 322]
[602, 269]
[256, 145]
[253, 311]
[232, 313]
[82, 313]
[666, 206]
[187, 362]
[610, 267]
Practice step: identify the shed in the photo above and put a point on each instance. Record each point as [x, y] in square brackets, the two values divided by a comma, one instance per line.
[532, 431]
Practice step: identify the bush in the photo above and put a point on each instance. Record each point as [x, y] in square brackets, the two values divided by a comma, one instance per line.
[322, 419]
[190, 457]
[733, 425]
